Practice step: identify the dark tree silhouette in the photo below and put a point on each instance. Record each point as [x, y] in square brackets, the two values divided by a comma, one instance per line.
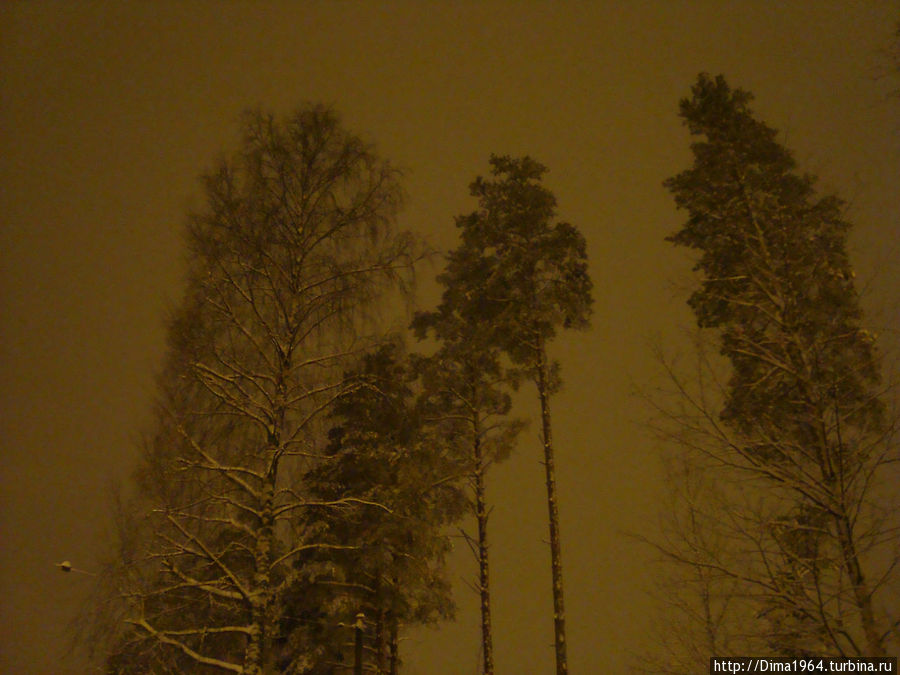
[521, 278]
[465, 392]
[294, 248]
[383, 450]
[797, 433]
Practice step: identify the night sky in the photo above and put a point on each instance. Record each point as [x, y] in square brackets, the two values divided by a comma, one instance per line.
[110, 112]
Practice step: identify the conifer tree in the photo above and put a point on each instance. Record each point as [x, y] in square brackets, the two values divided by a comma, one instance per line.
[466, 394]
[801, 415]
[521, 277]
[386, 563]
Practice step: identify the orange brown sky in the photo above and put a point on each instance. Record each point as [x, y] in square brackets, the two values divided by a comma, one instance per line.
[110, 110]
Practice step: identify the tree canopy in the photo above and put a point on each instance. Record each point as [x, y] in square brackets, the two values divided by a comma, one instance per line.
[801, 418]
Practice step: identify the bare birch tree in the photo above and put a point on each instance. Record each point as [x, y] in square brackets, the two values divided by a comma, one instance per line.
[295, 245]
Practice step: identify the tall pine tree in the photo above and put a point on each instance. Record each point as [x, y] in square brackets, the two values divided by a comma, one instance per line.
[801, 415]
[466, 392]
[521, 277]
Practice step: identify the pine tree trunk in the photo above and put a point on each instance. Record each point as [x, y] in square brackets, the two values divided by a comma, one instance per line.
[380, 666]
[860, 588]
[559, 614]
[395, 646]
[847, 542]
[487, 645]
[379, 646]
[358, 644]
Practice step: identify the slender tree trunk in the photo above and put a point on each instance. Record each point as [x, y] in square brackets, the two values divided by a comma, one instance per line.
[261, 599]
[358, 644]
[481, 514]
[379, 646]
[395, 646]
[847, 541]
[861, 593]
[559, 612]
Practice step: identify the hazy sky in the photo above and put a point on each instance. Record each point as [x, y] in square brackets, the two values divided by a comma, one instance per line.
[109, 112]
